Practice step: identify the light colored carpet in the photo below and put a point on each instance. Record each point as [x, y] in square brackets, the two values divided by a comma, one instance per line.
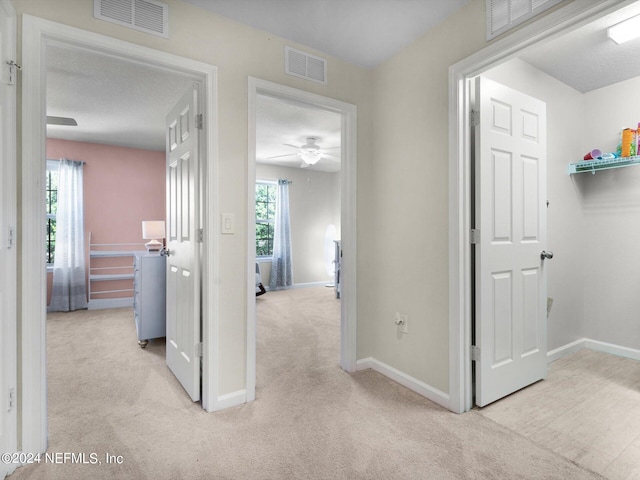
[588, 410]
[311, 419]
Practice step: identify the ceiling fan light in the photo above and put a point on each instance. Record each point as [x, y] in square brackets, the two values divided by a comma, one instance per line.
[310, 156]
[625, 31]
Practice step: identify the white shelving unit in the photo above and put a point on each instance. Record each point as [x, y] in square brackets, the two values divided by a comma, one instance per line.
[592, 166]
[119, 269]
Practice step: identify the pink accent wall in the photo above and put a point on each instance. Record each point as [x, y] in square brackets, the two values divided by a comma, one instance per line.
[122, 187]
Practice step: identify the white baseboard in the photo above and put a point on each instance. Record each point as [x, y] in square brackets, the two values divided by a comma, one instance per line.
[100, 303]
[232, 399]
[405, 380]
[300, 285]
[595, 345]
[565, 350]
[612, 349]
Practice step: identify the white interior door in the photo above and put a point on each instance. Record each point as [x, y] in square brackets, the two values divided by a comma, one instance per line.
[8, 176]
[183, 262]
[510, 171]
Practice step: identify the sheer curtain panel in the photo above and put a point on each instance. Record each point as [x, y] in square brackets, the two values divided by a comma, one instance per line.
[281, 269]
[69, 281]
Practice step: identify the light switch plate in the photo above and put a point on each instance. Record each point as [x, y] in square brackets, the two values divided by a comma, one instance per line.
[228, 224]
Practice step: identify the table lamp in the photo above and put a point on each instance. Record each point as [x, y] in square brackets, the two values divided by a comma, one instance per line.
[153, 230]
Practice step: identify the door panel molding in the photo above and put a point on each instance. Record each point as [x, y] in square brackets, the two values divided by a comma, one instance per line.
[510, 279]
[183, 265]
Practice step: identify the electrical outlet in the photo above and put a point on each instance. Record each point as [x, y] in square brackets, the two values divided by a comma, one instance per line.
[402, 321]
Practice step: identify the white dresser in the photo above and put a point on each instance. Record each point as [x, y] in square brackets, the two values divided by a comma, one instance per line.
[149, 293]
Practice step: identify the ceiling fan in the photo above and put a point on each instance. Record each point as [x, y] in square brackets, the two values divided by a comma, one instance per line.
[66, 121]
[310, 152]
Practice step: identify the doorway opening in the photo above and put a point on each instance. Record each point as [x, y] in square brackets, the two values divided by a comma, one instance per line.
[273, 106]
[40, 36]
[545, 31]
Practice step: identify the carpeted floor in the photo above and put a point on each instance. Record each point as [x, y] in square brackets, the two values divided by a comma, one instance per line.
[311, 420]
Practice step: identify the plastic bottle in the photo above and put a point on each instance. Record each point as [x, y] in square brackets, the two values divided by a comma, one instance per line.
[626, 142]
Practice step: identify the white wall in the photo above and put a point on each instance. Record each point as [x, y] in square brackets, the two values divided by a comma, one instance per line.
[408, 270]
[611, 202]
[314, 203]
[565, 221]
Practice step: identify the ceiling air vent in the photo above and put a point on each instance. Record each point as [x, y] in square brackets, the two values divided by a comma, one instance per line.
[303, 65]
[149, 16]
[503, 15]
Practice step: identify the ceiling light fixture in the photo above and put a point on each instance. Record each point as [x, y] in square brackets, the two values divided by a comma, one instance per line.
[310, 156]
[310, 152]
[625, 31]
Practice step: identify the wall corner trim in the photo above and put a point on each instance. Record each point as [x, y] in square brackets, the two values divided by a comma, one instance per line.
[594, 345]
[405, 380]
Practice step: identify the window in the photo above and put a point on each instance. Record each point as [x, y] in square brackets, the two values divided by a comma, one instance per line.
[266, 194]
[51, 185]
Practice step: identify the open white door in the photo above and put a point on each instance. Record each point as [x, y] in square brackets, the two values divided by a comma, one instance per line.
[183, 261]
[8, 259]
[510, 172]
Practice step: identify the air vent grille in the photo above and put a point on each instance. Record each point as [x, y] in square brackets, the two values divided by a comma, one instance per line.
[150, 16]
[503, 15]
[304, 65]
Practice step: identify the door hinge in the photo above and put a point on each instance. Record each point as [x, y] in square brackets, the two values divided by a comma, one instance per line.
[199, 349]
[199, 121]
[12, 399]
[11, 240]
[13, 68]
[474, 118]
[475, 353]
[474, 236]
[200, 235]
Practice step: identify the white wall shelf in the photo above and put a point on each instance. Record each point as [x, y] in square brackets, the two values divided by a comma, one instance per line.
[592, 166]
[116, 263]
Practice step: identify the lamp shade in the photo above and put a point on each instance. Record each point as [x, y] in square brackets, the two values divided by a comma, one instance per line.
[152, 229]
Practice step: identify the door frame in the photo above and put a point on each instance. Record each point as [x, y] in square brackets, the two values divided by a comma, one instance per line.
[37, 33]
[8, 203]
[509, 46]
[348, 216]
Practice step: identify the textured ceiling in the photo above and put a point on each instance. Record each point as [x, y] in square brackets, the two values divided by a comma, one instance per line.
[280, 122]
[113, 101]
[586, 59]
[361, 32]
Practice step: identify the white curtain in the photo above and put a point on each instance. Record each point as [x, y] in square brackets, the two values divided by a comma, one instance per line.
[281, 269]
[69, 282]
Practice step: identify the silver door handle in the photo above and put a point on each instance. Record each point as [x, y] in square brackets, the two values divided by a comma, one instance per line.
[544, 254]
[165, 253]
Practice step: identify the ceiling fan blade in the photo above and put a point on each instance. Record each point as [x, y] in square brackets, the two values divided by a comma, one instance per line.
[332, 160]
[304, 164]
[66, 121]
[283, 156]
[297, 147]
[327, 148]
[330, 156]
